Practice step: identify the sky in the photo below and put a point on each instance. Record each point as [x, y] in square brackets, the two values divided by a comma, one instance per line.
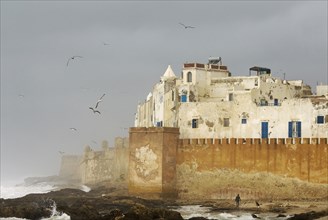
[126, 47]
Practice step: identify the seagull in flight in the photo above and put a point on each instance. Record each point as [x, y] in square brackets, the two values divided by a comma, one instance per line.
[73, 129]
[61, 152]
[72, 58]
[100, 100]
[186, 26]
[94, 111]
[106, 44]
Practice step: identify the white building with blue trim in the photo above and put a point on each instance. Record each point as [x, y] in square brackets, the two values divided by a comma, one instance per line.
[207, 102]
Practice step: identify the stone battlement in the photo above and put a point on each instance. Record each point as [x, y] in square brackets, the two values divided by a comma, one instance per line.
[272, 141]
[160, 163]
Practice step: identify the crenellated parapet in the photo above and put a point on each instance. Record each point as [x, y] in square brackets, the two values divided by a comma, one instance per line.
[303, 158]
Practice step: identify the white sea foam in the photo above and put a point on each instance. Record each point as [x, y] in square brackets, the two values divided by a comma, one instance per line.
[10, 192]
[85, 188]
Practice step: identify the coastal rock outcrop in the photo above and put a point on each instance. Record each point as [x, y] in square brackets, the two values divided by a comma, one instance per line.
[101, 203]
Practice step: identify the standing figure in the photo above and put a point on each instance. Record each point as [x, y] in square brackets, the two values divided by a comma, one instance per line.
[237, 200]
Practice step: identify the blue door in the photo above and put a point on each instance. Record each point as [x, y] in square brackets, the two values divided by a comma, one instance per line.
[265, 129]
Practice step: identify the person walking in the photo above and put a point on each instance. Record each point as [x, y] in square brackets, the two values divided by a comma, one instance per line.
[237, 200]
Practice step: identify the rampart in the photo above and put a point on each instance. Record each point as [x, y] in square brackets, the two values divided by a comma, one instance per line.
[107, 165]
[160, 162]
[70, 168]
[306, 159]
[254, 168]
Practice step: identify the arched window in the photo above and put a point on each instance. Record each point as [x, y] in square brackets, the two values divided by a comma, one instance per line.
[189, 77]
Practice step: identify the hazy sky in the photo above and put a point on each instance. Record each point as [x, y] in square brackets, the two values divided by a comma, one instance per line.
[42, 97]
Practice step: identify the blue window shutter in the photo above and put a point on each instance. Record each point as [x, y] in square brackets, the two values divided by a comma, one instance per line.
[299, 129]
[320, 119]
[184, 98]
[290, 129]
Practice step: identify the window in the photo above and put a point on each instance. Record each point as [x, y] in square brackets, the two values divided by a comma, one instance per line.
[275, 102]
[189, 77]
[194, 123]
[226, 122]
[159, 124]
[263, 102]
[244, 121]
[320, 119]
[183, 98]
[294, 129]
[173, 95]
[230, 96]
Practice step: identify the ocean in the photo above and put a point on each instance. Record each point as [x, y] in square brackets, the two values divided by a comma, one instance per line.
[20, 190]
[185, 211]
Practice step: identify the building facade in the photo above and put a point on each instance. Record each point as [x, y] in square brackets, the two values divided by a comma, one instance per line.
[207, 102]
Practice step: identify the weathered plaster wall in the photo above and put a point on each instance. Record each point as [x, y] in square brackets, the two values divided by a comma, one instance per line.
[211, 116]
[152, 160]
[275, 168]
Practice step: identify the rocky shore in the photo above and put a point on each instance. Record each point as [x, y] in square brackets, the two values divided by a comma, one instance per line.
[115, 203]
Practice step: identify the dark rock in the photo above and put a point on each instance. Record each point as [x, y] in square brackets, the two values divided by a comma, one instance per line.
[140, 211]
[309, 215]
[96, 204]
[255, 216]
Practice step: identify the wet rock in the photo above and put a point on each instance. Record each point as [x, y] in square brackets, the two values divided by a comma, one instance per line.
[140, 211]
[255, 216]
[310, 215]
[81, 205]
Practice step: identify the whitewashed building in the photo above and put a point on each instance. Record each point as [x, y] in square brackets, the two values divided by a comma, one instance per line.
[207, 102]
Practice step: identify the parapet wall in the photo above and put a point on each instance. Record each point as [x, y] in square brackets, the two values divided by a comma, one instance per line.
[302, 158]
[106, 165]
[254, 168]
[70, 167]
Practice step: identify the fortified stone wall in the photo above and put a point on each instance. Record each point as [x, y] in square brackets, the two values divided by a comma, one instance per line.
[220, 168]
[109, 164]
[70, 167]
[306, 159]
[152, 162]
[255, 168]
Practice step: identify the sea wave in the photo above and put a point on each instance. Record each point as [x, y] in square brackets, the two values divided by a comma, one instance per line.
[11, 192]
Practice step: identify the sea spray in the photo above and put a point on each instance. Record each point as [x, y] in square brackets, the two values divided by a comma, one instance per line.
[55, 214]
[11, 192]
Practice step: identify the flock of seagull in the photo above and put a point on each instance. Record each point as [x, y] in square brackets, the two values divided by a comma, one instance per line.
[95, 108]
